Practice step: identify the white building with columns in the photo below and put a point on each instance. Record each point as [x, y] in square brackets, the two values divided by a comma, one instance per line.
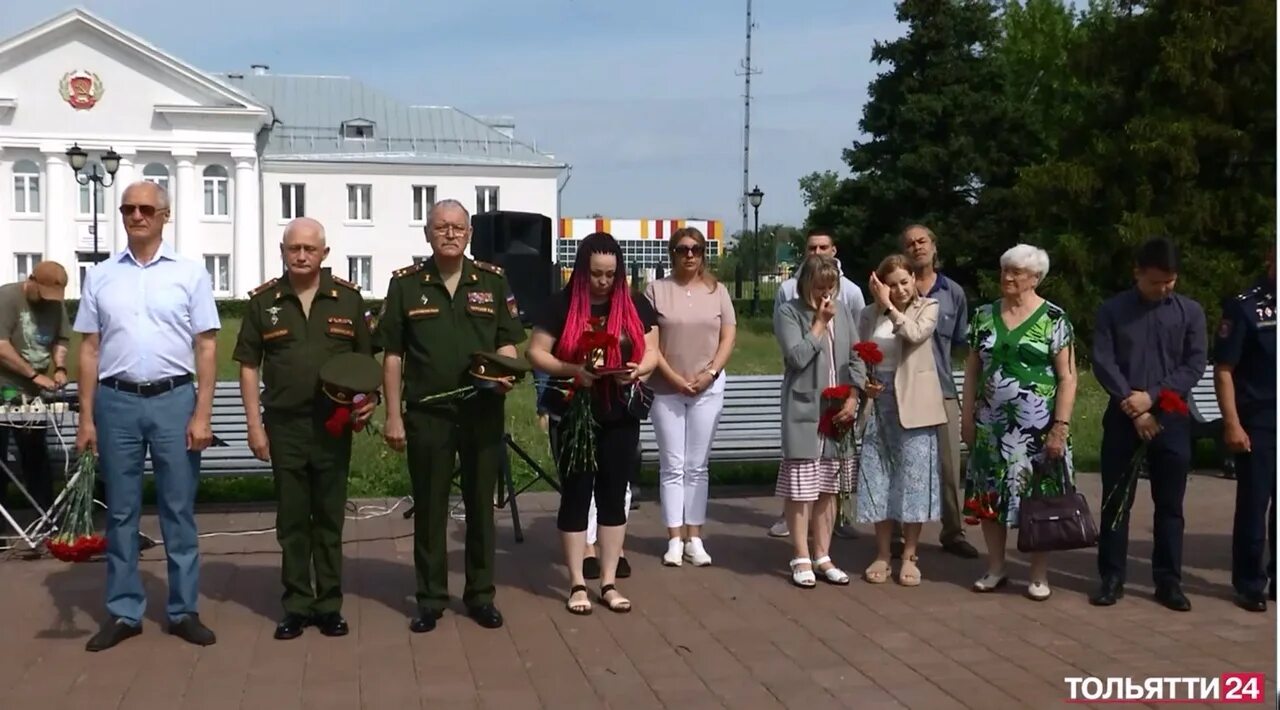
[240, 154]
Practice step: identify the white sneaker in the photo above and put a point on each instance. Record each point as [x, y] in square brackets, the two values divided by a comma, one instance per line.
[779, 529]
[696, 553]
[674, 555]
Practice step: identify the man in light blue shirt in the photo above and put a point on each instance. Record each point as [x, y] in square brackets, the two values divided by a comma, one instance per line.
[150, 324]
[820, 241]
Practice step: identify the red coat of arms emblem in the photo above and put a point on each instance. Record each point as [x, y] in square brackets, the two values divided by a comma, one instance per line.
[82, 89]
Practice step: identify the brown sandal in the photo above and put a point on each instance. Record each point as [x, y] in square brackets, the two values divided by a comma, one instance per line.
[878, 572]
[909, 574]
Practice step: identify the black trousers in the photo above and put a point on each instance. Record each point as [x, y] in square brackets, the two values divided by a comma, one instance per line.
[33, 459]
[1255, 517]
[616, 449]
[1168, 460]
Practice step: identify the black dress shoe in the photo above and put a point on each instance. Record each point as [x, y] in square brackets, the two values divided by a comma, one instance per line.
[624, 569]
[591, 567]
[113, 631]
[291, 627]
[1251, 602]
[189, 629]
[1107, 594]
[425, 620]
[960, 548]
[1172, 597]
[332, 624]
[487, 615]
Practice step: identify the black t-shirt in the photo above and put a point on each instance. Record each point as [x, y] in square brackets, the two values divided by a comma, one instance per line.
[556, 312]
[552, 319]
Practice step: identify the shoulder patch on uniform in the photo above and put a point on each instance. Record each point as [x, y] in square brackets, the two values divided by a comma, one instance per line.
[493, 268]
[408, 270]
[343, 282]
[263, 287]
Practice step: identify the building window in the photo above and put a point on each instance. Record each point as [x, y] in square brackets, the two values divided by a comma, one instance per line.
[26, 187]
[219, 268]
[359, 130]
[360, 203]
[424, 196]
[87, 201]
[25, 264]
[486, 199]
[215, 191]
[293, 200]
[360, 272]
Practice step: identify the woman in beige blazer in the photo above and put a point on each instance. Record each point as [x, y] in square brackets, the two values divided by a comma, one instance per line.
[900, 466]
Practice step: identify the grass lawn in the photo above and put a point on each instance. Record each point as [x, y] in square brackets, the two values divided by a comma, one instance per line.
[378, 471]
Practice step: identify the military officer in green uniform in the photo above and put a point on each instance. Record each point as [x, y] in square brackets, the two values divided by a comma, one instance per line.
[292, 326]
[436, 316]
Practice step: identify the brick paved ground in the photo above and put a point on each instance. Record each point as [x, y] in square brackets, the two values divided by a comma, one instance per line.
[732, 635]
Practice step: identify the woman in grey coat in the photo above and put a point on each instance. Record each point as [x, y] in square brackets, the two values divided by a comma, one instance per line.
[816, 334]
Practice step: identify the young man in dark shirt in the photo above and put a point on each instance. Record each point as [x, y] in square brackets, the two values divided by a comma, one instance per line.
[1147, 340]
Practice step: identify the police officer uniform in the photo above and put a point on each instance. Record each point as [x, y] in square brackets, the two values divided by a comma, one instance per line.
[1246, 341]
[310, 465]
[437, 336]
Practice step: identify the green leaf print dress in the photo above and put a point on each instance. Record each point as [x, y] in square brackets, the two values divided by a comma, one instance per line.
[1014, 411]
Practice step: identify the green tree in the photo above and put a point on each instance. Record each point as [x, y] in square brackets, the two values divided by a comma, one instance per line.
[1177, 139]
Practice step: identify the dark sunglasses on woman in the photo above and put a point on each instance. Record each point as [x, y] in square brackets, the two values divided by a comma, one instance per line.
[685, 250]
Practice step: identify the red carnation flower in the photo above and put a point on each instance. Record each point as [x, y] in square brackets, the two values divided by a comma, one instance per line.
[841, 392]
[868, 352]
[1170, 402]
[337, 422]
[597, 340]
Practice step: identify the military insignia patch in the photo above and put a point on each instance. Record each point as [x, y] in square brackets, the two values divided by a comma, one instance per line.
[339, 320]
[480, 308]
[423, 312]
[275, 334]
[479, 297]
[345, 331]
[274, 312]
[511, 306]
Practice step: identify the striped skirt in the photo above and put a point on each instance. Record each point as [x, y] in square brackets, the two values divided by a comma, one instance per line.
[805, 479]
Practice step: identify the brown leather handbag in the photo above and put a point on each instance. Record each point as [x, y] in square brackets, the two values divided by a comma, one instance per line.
[1054, 523]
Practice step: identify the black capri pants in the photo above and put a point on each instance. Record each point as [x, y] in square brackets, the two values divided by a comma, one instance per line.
[617, 446]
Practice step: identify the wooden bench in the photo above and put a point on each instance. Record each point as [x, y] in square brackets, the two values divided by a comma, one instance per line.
[229, 425]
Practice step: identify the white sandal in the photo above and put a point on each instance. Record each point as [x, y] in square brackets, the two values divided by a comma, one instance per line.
[804, 579]
[989, 583]
[833, 574]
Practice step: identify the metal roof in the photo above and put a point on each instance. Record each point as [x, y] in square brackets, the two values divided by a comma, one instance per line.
[309, 113]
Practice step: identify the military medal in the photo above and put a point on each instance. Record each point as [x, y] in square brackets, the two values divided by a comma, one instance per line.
[424, 299]
[275, 314]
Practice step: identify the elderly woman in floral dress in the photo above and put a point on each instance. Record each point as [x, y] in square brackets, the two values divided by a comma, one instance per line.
[1019, 390]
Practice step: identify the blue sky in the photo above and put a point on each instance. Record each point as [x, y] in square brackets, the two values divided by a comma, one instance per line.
[642, 98]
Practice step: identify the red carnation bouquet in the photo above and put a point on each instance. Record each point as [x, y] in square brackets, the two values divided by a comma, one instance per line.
[1168, 403]
[76, 539]
[343, 417]
[870, 355]
[578, 422]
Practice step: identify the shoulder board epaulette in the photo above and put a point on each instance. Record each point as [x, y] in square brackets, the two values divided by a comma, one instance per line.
[344, 282]
[263, 287]
[493, 268]
[415, 268]
[1248, 293]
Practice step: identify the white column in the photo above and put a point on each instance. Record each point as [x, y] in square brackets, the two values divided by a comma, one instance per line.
[59, 239]
[246, 258]
[111, 219]
[187, 206]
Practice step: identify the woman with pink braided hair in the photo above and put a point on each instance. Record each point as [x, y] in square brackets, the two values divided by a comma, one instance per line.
[596, 306]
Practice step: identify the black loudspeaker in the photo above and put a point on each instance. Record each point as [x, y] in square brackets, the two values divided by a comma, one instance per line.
[519, 242]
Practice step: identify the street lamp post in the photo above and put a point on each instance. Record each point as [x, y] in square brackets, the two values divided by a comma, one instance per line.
[756, 197]
[99, 176]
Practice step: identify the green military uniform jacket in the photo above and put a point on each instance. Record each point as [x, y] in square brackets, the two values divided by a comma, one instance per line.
[436, 334]
[290, 347]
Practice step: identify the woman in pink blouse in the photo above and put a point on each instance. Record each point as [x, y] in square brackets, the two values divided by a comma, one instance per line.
[696, 330]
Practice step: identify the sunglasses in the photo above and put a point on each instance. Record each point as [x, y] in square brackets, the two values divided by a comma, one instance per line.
[686, 250]
[147, 211]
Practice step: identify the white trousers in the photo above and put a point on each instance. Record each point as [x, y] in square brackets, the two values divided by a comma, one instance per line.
[684, 427]
[591, 515]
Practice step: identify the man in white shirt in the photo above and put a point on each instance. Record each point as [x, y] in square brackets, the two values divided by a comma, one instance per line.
[820, 241]
[147, 369]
